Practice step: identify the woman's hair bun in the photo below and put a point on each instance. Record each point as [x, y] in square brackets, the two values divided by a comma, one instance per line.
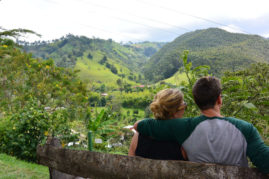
[157, 109]
[166, 103]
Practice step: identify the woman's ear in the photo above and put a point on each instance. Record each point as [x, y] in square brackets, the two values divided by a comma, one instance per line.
[179, 114]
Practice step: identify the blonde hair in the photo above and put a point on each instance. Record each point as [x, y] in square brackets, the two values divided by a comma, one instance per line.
[166, 103]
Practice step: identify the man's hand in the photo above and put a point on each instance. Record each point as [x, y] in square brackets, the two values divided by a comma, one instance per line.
[130, 127]
[135, 125]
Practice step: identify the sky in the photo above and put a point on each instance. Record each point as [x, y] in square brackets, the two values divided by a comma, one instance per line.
[133, 20]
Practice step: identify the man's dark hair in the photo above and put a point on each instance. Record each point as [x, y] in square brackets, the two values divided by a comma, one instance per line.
[206, 91]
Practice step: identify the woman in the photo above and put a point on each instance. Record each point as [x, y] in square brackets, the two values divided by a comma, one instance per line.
[168, 104]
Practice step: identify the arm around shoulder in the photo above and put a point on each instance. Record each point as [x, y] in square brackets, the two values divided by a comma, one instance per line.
[172, 129]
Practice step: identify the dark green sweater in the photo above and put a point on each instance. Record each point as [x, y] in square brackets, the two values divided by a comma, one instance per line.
[180, 129]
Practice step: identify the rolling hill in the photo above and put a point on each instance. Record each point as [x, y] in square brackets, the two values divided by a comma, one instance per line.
[98, 60]
[105, 61]
[221, 50]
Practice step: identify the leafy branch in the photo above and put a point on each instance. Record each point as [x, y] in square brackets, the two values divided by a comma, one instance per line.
[16, 32]
[250, 105]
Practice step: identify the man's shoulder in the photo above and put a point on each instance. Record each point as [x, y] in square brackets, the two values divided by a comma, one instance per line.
[238, 122]
[245, 127]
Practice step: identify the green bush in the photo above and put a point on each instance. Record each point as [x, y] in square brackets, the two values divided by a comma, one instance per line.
[29, 127]
[23, 131]
[5, 129]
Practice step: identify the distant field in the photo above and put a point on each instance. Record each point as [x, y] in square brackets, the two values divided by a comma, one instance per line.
[124, 111]
[177, 78]
[12, 168]
[92, 71]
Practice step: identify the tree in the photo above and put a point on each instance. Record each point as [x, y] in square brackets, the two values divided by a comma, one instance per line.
[139, 77]
[119, 83]
[104, 60]
[130, 77]
[14, 33]
[113, 69]
[102, 88]
[246, 95]
[90, 56]
[102, 101]
[108, 65]
[37, 98]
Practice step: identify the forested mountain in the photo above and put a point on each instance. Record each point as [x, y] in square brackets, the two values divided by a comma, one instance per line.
[221, 50]
[106, 61]
[97, 59]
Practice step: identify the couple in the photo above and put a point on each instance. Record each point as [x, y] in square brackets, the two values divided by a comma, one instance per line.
[210, 138]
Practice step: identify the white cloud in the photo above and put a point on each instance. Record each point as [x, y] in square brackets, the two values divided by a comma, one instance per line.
[232, 28]
[266, 35]
[124, 20]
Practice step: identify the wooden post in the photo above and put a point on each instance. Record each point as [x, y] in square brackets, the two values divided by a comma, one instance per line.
[55, 174]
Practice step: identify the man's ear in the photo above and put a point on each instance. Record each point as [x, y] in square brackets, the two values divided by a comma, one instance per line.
[219, 100]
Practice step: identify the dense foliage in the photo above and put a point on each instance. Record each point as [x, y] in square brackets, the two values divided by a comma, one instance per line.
[24, 77]
[22, 131]
[246, 96]
[137, 99]
[37, 99]
[221, 50]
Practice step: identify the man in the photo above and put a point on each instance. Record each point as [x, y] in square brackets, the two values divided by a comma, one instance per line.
[211, 137]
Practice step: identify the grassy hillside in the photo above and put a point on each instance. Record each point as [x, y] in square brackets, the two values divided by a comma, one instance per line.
[221, 50]
[92, 71]
[176, 79]
[148, 48]
[123, 61]
[12, 168]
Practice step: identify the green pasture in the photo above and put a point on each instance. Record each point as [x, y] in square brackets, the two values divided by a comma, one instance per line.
[92, 71]
[12, 168]
[177, 78]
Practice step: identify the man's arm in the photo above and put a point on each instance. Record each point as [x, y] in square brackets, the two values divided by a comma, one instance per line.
[172, 129]
[257, 151]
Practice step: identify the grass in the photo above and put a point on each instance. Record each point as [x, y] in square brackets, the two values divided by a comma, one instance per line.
[92, 71]
[177, 78]
[12, 168]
